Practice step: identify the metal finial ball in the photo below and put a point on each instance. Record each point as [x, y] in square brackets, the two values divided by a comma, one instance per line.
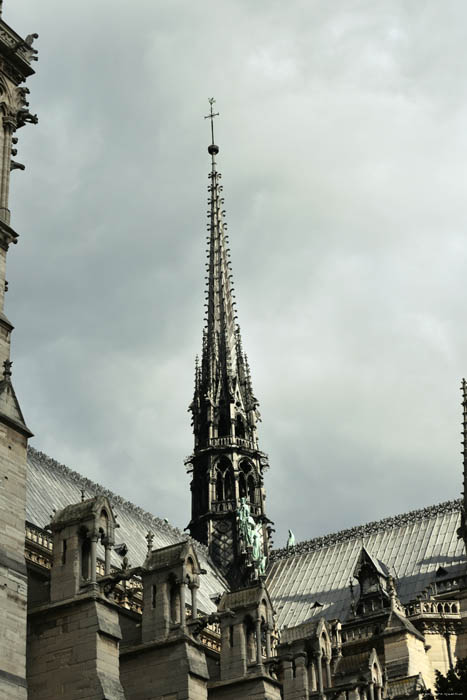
[213, 150]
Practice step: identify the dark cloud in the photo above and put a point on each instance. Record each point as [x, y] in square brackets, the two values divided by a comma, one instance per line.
[343, 150]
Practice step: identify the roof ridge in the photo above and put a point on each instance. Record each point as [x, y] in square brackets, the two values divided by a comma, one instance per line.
[359, 531]
[114, 498]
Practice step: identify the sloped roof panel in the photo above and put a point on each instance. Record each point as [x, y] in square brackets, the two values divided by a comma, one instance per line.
[412, 546]
[51, 485]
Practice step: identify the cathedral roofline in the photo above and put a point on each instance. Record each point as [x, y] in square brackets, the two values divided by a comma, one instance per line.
[99, 490]
[361, 531]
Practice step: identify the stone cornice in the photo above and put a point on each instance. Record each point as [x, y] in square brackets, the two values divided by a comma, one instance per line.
[15, 54]
[7, 235]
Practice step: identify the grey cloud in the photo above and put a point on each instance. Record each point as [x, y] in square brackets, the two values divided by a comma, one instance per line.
[343, 152]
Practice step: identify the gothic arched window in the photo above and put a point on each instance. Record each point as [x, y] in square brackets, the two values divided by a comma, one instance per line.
[223, 428]
[242, 484]
[225, 490]
[251, 488]
[239, 427]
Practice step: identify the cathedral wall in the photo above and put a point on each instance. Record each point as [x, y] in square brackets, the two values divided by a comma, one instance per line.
[438, 652]
[405, 655]
[259, 688]
[175, 669]
[73, 652]
[13, 580]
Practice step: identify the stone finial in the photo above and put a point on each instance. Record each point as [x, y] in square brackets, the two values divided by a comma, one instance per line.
[7, 369]
[149, 540]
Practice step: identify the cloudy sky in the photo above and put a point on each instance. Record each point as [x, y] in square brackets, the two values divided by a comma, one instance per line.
[343, 154]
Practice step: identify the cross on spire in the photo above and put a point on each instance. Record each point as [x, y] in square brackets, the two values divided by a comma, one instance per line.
[211, 116]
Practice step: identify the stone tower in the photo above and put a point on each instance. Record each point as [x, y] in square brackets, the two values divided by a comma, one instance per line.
[16, 55]
[227, 466]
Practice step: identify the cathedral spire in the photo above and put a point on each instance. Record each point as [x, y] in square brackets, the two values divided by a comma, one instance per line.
[227, 465]
[219, 355]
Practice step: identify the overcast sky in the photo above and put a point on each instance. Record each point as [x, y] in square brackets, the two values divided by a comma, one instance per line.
[343, 150]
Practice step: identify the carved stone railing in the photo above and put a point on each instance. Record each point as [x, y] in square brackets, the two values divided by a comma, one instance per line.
[38, 546]
[231, 442]
[229, 506]
[449, 609]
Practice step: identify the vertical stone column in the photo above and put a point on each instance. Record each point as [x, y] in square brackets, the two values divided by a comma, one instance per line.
[371, 690]
[328, 672]
[268, 641]
[301, 674]
[194, 600]
[108, 549]
[212, 492]
[94, 538]
[259, 656]
[9, 124]
[312, 682]
[287, 670]
[320, 671]
[183, 605]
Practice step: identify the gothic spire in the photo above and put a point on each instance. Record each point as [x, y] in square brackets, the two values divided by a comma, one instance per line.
[223, 370]
[227, 511]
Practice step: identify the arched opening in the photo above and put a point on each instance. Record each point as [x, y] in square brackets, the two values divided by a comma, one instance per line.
[104, 523]
[86, 559]
[250, 635]
[251, 488]
[174, 597]
[229, 485]
[219, 486]
[223, 428]
[242, 485]
[239, 427]
[225, 490]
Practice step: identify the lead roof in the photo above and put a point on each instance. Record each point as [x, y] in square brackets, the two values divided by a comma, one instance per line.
[51, 485]
[412, 546]
[310, 580]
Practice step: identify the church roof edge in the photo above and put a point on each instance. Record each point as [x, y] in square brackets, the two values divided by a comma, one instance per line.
[367, 529]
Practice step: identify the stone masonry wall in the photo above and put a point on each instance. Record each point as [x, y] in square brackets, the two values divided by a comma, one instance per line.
[13, 581]
[73, 652]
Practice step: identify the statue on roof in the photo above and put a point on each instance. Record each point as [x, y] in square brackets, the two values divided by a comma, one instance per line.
[290, 540]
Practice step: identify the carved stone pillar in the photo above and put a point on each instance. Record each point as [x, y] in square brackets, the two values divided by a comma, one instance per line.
[108, 549]
[212, 492]
[194, 600]
[94, 539]
[287, 670]
[9, 124]
[268, 641]
[371, 690]
[320, 671]
[182, 604]
[328, 672]
[259, 655]
[301, 674]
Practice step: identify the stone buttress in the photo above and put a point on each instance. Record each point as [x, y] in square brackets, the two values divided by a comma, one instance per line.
[16, 55]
